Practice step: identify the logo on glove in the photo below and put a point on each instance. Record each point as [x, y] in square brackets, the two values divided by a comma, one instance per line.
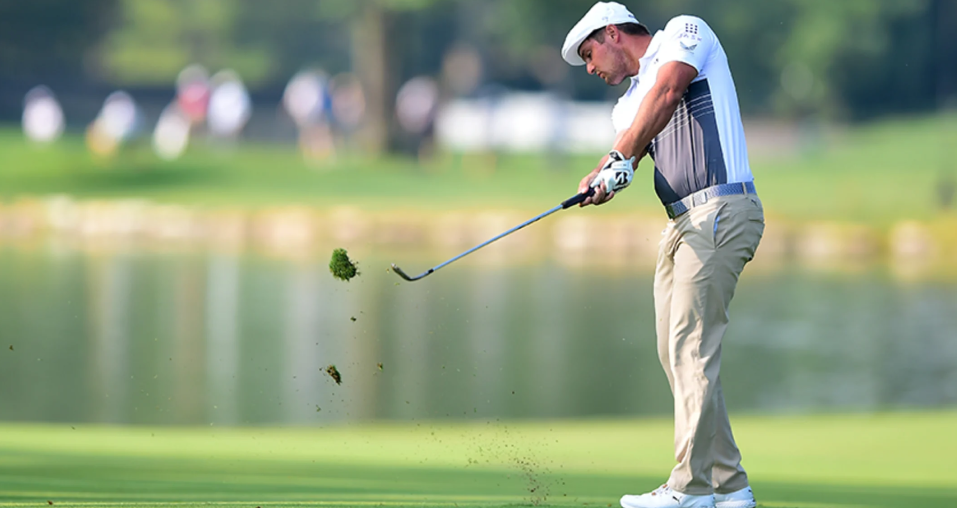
[617, 172]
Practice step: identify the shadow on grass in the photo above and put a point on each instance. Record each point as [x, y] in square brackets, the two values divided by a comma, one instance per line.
[145, 177]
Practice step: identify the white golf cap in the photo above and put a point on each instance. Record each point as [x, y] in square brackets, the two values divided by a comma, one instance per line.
[600, 15]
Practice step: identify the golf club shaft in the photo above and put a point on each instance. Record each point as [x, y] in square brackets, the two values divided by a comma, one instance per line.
[574, 200]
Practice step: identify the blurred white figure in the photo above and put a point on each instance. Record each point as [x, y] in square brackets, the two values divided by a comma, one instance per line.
[192, 93]
[42, 115]
[415, 109]
[306, 100]
[523, 122]
[229, 105]
[172, 132]
[305, 97]
[119, 115]
[114, 125]
[415, 104]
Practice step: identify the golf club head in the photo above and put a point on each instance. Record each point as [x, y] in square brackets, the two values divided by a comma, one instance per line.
[397, 270]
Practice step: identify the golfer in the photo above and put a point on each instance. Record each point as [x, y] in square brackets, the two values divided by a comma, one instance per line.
[681, 109]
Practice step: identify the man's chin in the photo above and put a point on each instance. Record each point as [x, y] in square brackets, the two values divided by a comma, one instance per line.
[614, 81]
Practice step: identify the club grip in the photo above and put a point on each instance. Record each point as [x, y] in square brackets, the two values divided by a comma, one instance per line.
[578, 198]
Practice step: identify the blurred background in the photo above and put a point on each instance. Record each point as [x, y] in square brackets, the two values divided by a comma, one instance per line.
[174, 175]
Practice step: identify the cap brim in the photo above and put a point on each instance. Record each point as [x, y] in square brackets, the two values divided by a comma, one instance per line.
[571, 53]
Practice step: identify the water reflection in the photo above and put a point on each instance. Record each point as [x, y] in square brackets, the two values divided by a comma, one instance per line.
[222, 337]
[128, 336]
[109, 369]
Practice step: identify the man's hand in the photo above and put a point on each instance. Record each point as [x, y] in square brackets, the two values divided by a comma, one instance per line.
[586, 183]
[614, 175]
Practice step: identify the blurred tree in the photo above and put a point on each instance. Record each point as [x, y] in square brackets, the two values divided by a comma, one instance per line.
[864, 56]
[375, 40]
[944, 14]
[295, 34]
[43, 40]
[155, 39]
[521, 43]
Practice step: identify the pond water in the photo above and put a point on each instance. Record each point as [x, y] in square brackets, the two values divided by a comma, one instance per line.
[146, 337]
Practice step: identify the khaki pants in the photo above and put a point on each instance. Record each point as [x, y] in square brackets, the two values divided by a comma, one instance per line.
[700, 257]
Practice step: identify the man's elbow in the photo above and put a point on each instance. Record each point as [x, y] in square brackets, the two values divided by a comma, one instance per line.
[676, 80]
[673, 95]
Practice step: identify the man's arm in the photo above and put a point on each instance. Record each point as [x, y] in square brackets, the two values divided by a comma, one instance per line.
[653, 116]
[656, 109]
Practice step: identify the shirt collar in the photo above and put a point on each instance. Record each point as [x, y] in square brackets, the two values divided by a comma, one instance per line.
[645, 61]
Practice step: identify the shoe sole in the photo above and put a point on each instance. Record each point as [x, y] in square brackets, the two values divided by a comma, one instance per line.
[736, 504]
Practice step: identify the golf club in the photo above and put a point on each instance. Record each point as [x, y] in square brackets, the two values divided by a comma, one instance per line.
[574, 200]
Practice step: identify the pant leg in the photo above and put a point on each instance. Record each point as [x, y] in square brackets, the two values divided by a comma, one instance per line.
[664, 280]
[741, 238]
[727, 474]
[716, 240]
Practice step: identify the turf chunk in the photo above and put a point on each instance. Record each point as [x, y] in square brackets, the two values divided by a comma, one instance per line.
[334, 373]
[341, 267]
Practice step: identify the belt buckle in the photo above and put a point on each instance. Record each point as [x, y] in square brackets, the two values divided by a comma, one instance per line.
[699, 198]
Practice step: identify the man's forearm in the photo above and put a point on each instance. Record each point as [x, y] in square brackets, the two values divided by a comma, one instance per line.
[653, 116]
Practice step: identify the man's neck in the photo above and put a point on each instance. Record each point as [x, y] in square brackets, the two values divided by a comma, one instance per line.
[637, 46]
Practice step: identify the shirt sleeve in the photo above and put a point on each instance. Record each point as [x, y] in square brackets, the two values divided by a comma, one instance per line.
[687, 39]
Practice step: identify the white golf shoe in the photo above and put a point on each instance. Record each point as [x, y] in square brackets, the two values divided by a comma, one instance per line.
[743, 498]
[665, 497]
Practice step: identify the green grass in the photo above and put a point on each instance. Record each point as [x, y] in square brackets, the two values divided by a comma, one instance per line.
[877, 174]
[887, 460]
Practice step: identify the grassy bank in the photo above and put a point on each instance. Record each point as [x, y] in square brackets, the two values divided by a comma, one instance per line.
[875, 174]
[891, 460]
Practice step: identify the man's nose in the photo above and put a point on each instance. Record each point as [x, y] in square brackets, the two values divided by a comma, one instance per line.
[590, 68]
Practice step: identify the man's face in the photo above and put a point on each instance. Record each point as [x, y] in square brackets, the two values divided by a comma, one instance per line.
[606, 59]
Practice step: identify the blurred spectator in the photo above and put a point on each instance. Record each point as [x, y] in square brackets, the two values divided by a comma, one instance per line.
[114, 125]
[229, 105]
[305, 97]
[172, 132]
[348, 104]
[192, 93]
[415, 107]
[42, 115]
[306, 100]
[462, 70]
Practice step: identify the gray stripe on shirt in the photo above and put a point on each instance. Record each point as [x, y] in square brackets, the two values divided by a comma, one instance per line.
[687, 152]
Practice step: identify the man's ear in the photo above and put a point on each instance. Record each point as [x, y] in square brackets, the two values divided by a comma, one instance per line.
[612, 32]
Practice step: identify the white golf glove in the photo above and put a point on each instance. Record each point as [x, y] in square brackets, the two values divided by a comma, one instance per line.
[617, 172]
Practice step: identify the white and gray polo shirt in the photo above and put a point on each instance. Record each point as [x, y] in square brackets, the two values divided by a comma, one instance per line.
[704, 144]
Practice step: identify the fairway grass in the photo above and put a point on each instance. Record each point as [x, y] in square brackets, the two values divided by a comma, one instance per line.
[884, 460]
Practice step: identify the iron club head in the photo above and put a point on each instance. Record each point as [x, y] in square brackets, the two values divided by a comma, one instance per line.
[397, 270]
